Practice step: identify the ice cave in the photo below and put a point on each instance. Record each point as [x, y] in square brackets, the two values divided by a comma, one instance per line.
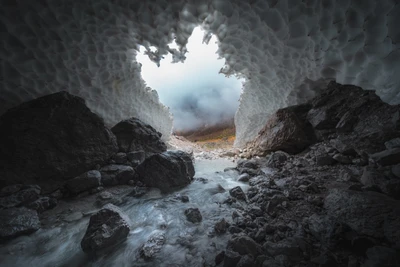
[307, 172]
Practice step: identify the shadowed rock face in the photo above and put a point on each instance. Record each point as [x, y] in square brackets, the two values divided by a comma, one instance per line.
[52, 139]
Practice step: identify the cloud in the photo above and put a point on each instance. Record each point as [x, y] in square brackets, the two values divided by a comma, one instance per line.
[195, 91]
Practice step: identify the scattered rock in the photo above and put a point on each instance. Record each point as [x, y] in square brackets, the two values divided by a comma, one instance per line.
[244, 245]
[221, 226]
[394, 143]
[152, 246]
[277, 159]
[342, 159]
[136, 156]
[220, 257]
[84, 182]
[42, 204]
[387, 157]
[193, 215]
[107, 228]
[231, 258]
[166, 171]
[54, 137]
[121, 158]
[324, 159]
[237, 193]
[18, 221]
[134, 135]
[26, 195]
[244, 177]
[116, 174]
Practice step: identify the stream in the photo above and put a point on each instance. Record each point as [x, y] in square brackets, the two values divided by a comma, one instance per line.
[186, 244]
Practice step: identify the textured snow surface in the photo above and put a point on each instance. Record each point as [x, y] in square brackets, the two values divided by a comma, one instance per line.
[287, 50]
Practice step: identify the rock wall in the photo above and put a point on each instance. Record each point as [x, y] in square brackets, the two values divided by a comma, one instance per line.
[286, 50]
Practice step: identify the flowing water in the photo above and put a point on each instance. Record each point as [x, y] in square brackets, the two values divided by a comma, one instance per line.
[186, 244]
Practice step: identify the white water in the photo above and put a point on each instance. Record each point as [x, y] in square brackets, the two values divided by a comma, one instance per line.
[186, 244]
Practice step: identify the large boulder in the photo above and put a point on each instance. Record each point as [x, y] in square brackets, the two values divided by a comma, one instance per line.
[285, 130]
[166, 171]
[368, 213]
[107, 228]
[51, 139]
[18, 221]
[135, 135]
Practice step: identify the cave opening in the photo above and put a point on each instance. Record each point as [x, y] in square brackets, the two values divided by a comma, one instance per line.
[201, 98]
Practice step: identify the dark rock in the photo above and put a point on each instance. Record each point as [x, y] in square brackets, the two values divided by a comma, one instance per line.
[116, 174]
[246, 261]
[138, 191]
[387, 157]
[342, 147]
[277, 159]
[135, 135]
[396, 170]
[9, 190]
[55, 138]
[382, 256]
[234, 229]
[231, 258]
[368, 213]
[244, 177]
[26, 195]
[237, 193]
[152, 246]
[220, 257]
[18, 221]
[84, 182]
[274, 202]
[324, 159]
[346, 123]
[285, 131]
[42, 204]
[121, 158]
[221, 226]
[373, 178]
[193, 215]
[166, 171]
[287, 247]
[324, 260]
[342, 159]
[244, 245]
[107, 228]
[184, 199]
[394, 143]
[136, 156]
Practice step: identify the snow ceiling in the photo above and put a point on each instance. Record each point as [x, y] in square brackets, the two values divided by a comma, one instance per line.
[285, 49]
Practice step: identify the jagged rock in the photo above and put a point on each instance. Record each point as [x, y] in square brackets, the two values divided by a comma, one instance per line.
[342, 147]
[342, 159]
[55, 138]
[26, 195]
[136, 157]
[116, 174]
[121, 158]
[166, 171]
[396, 170]
[221, 226]
[324, 159]
[84, 182]
[387, 157]
[18, 221]
[374, 178]
[244, 245]
[219, 258]
[193, 215]
[277, 159]
[152, 246]
[274, 202]
[9, 190]
[42, 204]
[394, 143]
[107, 228]
[231, 258]
[285, 131]
[368, 213]
[287, 247]
[135, 135]
[246, 261]
[381, 256]
[238, 193]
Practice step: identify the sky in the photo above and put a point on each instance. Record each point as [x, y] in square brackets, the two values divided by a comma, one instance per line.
[194, 90]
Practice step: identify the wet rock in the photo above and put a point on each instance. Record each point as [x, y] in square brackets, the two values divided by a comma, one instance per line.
[136, 156]
[237, 193]
[166, 171]
[84, 182]
[42, 204]
[152, 246]
[381, 256]
[221, 226]
[234, 229]
[387, 157]
[342, 159]
[107, 228]
[121, 158]
[231, 258]
[219, 258]
[138, 191]
[324, 160]
[116, 174]
[285, 131]
[135, 135]
[193, 215]
[26, 195]
[244, 245]
[55, 137]
[18, 221]
[394, 143]
[368, 213]
[244, 177]
[184, 199]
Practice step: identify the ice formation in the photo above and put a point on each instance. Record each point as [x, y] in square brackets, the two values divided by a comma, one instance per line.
[285, 49]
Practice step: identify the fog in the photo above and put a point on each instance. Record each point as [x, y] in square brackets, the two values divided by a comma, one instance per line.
[194, 90]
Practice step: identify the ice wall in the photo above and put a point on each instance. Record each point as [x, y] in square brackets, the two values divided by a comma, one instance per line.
[286, 49]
